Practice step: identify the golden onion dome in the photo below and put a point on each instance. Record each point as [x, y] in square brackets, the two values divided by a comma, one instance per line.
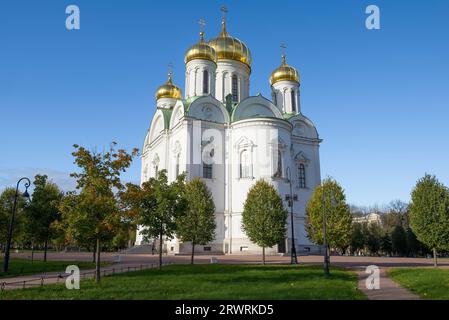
[168, 90]
[228, 47]
[284, 73]
[201, 50]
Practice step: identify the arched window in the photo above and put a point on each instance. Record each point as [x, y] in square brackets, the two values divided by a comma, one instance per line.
[302, 176]
[245, 165]
[278, 173]
[293, 97]
[275, 99]
[235, 89]
[205, 82]
[156, 170]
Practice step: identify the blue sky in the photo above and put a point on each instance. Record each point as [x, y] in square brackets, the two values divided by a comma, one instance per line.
[380, 98]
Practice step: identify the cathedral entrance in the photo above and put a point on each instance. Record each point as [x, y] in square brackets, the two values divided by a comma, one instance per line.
[281, 246]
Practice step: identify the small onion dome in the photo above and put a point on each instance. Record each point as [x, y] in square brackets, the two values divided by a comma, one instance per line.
[284, 73]
[228, 47]
[168, 90]
[201, 50]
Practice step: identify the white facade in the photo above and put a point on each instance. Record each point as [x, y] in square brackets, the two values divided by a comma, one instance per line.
[369, 218]
[231, 142]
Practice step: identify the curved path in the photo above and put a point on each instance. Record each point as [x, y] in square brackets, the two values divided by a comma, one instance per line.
[388, 289]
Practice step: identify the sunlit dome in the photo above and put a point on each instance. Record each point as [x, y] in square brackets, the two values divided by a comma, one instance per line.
[228, 47]
[201, 50]
[168, 90]
[284, 73]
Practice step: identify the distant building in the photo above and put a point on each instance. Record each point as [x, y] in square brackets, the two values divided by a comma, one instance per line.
[369, 218]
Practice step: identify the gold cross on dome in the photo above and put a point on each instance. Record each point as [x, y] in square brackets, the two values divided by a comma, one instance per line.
[170, 73]
[202, 23]
[224, 10]
[283, 46]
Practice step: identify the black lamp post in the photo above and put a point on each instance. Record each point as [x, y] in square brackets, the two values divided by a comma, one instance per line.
[294, 259]
[11, 224]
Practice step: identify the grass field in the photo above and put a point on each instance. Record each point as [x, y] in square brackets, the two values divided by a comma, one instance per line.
[178, 282]
[428, 283]
[25, 267]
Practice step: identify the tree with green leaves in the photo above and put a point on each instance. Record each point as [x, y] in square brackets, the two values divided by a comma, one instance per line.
[157, 203]
[77, 225]
[399, 240]
[264, 217]
[414, 247]
[6, 205]
[429, 214]
[197, 223]
[329, 201]
[96, 206]
[373, 239]
[385, 243]
[357, 238]
[42, 211]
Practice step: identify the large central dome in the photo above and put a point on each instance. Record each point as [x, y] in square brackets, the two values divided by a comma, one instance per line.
[228, 47]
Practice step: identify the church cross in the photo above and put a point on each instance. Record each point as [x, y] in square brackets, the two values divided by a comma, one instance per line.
[224, 10]
[170, 66]
[283, 46]
[202, 23]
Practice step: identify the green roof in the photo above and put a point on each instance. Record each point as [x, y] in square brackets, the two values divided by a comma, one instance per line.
[167, 116]
[187, 102]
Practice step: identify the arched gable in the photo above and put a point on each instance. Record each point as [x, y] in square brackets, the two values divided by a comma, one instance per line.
[177, 114]
[160, 122]
[209, 109]
[255, 107]
[303, 127]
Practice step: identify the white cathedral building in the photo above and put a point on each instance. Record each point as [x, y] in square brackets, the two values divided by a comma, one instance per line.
[218, 132]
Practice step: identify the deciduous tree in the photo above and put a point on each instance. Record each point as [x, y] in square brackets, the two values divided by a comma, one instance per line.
[197, 223]
[264, 216]
[399, 240]
[96, 206]
[429, 214]
[42, 211]
[6, 205]
[329, 199]
[157, 203]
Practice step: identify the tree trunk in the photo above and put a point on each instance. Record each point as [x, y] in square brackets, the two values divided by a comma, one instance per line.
[435, 258]
[97, 266]
[193, 252]
[263, 255]
[32, 252]
[326, 261]
[94, 259]
[45, 250]
[160, 248]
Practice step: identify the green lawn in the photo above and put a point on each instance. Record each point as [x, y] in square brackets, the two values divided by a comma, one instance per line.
[19, 267]
[428, 283]
[178, 282]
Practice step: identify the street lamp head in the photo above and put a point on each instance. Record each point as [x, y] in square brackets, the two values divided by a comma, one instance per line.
[27, 184]
[26, 194]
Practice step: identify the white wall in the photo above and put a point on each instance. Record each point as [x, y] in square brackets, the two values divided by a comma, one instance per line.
[194, 77]
[225, 70]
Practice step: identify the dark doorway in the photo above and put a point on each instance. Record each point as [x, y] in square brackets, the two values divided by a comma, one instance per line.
[281, 246]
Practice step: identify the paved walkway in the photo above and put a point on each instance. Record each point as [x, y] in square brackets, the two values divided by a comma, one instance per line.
[389, 289]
